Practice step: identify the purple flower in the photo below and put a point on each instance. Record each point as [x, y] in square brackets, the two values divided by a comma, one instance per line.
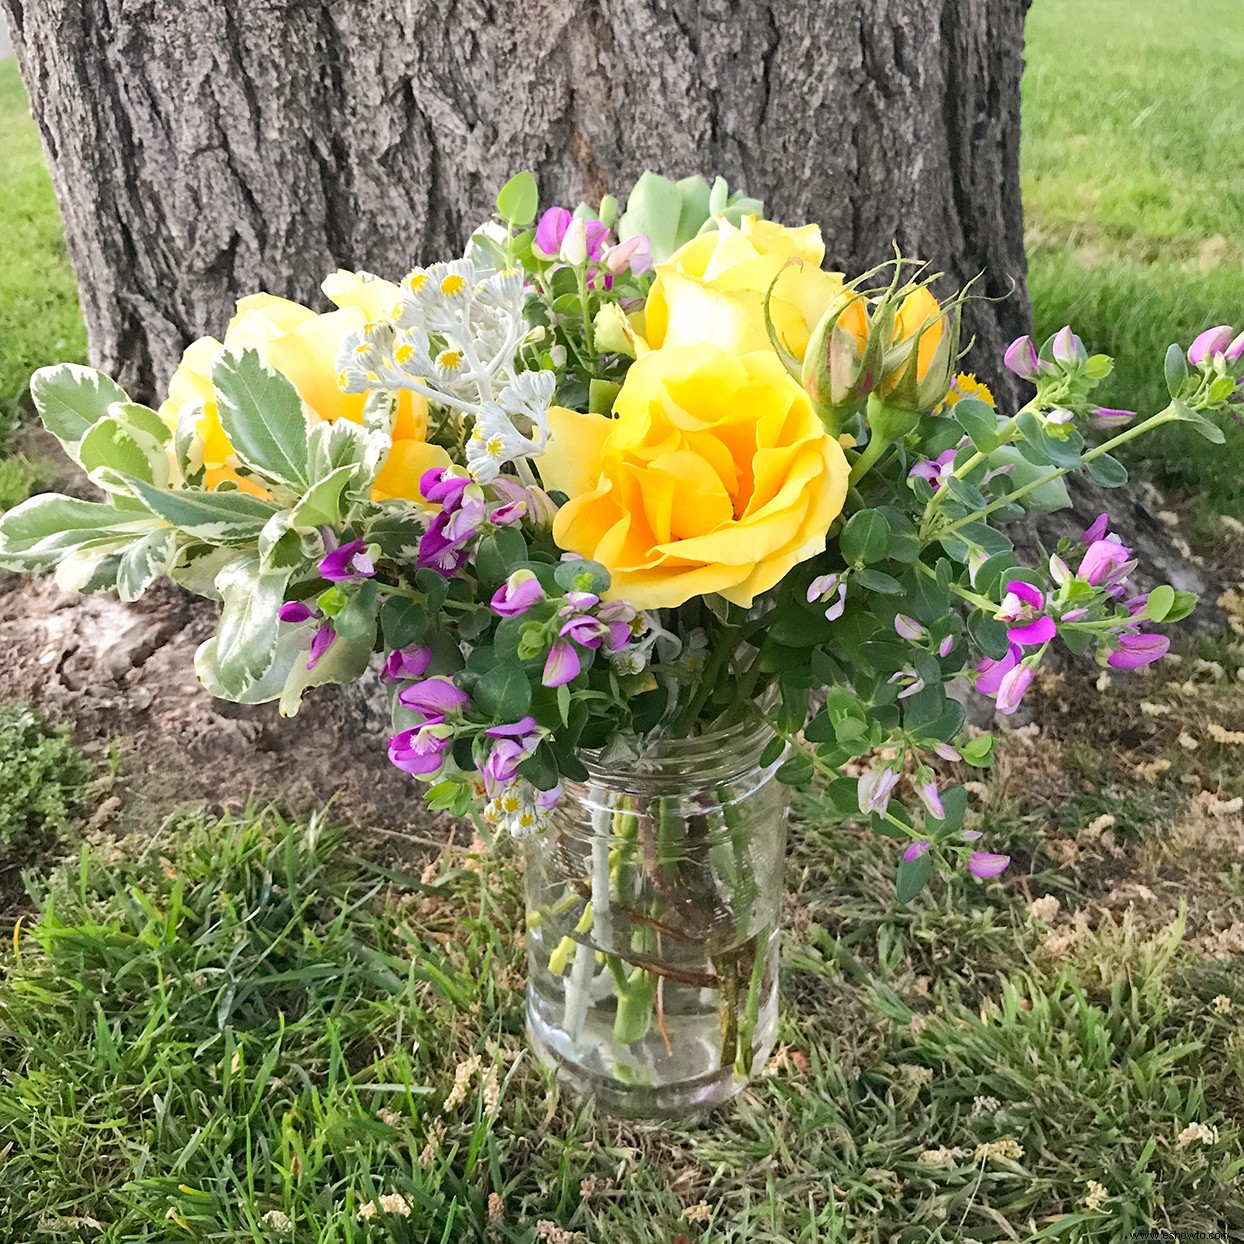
[915, 850]
[1012, 687]
[825, 586]
[443, 547]
[874, 789]
[947, 752]
[1212, 341]
[1098, 529]
[945, 647]
[403, 664]
[1109, 416]
[434, 698]
[1025, 604]
[439, 487]
[550, 232]
[517, 594]
[936, 470]
[635, 253]
[562, 665]
[1006, 679]
[502, 764]
[985, 864]
[508, 514]
[295, 611]
[1021, 358]
[1135, 650]
[908, 628]
[1067, 347]
[523, 729]
[547, 799]
[321, 642]
[1106, 563]
[560, 235]
[931, 799]
[1235, 349]
[586, 631]
[349, 561]
[419, 750]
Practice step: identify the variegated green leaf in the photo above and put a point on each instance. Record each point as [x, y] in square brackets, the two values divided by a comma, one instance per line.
[247, 633]
[115, 448]
[263, 417]
[71, 400]
[188, 445]
[41, 531]
[218, 517]
[322, 504]
[344, 662]
[145, 561]
[280, 547]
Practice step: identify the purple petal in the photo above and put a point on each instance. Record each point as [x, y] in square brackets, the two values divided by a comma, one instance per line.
[295, 611]
[1101, 525]
[944, 648]
[517, 594]
[908, 628]
[916, 849]
[1074, 615]
[508, 514]
[1038, 631]
[931, 799]
[1108, 414]
[1027, 593]
[418, 751]
[1021, 358]
[438, 487]
[597, 234]
[1066, 346]
[990, 673]
[1011, 689]
[550, 232]
[320, 644]
[343, 563]
[433, 697]
[563, 664]
[947, 752]
[874, 788]
[1105, 561]
[1137, 650]
[1212, 341]
[985, 864]
[1235, 349]
[821, 587]
[547, 799]
[520, 728]
[406, 663]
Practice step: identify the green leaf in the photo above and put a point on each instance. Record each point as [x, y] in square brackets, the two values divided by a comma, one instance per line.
[145, 561]
[1107, 471]
[1048, 497]
[72, 399]
[1161, 602]
[1049, 447]
[1175, 369]
[321, 505]
[403, 621]
[247, 633]
[567, 574]
[979, 420]
[600, 396]
[654, 207]
[877, 581]
[773, 751]
[912, 876]
[1185, 603]
[1200, 424]
[504, 693]
[518, 200]
[988, 634]
[357, 620]
[214, 517]
[978, 752]
[865, 538]
[796, 771]
[262, 415]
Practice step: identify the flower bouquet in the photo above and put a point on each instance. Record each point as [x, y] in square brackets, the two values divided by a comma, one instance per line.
[649, 518]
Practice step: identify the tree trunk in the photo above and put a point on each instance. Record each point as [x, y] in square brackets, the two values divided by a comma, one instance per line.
[204, 149]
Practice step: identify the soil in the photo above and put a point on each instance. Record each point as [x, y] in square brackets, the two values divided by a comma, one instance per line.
[123, 676]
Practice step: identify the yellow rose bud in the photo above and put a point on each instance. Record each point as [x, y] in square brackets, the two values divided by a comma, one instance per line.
[712, 290]
[715, 475]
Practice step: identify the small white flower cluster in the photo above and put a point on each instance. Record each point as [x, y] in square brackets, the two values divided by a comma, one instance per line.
[453, 337]
[520, 809]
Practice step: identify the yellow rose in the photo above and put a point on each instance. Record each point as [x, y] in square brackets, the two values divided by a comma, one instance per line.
[302, 345]
[712, 290]
[714, 476]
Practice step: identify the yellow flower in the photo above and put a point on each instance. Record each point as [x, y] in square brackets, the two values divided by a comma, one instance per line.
[966, 385]
[302, 345]
[712, 290]
[715, 476]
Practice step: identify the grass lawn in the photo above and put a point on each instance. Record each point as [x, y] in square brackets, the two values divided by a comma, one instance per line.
[253, 1031]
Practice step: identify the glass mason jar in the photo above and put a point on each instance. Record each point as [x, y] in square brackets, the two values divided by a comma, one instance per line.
[653, 906]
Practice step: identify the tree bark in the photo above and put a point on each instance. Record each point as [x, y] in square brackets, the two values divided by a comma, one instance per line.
[204, 149]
